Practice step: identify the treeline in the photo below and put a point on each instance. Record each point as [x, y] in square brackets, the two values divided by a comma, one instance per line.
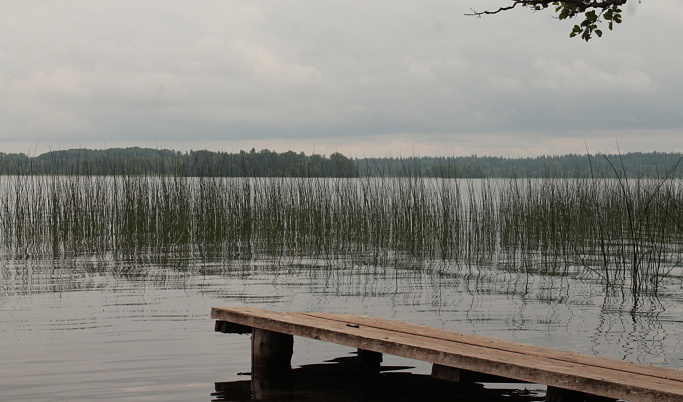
[142, 161]
[632, 164]
[265, 163]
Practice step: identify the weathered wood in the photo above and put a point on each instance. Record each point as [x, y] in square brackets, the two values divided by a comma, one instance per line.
[271, 350]
[271, 360]
[231, 328]
[446, 373]
[492, 343]
[558, 369]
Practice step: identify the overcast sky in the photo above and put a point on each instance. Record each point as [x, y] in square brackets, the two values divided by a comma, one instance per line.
[365, 78]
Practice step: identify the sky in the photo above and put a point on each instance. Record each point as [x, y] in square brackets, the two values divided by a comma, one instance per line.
[370, 78]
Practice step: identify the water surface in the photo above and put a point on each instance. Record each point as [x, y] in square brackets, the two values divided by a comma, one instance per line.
[106, 284]
[83, 329]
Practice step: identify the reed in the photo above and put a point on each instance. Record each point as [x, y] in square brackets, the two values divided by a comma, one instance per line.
[628, 234]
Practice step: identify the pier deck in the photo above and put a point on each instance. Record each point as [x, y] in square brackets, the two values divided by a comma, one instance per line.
[454, 355]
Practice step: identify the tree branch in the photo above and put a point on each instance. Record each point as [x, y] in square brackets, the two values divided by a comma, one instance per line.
[480, 13]
[593, 13]
[581, 5]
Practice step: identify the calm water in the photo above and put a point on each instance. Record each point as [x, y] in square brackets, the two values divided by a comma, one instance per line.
[81, 322]
[91, 328]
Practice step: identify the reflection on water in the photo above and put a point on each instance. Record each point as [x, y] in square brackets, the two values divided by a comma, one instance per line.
[341, 379]
[137, 327]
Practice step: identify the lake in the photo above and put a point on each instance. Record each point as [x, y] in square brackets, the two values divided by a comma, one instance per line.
[88, 317]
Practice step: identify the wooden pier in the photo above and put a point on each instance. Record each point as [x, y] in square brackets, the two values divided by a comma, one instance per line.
[455, 356]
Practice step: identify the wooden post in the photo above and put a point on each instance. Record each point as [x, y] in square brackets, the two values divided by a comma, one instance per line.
[446, 373]
[271, 360]
[271, 350]
[554, 394]
[231, 328]
[459, 375]
[369, 361]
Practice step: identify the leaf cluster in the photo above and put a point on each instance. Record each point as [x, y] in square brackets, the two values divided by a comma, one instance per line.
[591, 12]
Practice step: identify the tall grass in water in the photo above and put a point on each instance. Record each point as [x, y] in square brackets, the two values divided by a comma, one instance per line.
[627, 235]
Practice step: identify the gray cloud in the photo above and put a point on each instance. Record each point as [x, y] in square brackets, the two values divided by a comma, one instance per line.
[293, 74]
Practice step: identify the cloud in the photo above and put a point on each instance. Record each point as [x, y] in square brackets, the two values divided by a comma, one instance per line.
[579, 77]
[306, 71]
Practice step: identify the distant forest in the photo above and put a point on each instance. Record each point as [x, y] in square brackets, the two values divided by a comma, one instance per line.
[265, 163]
[144, 161]
[632, 164]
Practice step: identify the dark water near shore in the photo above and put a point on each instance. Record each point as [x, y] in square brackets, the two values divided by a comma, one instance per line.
[83, 329]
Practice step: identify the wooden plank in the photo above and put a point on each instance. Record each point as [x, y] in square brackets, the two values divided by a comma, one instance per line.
[497, 344]
[485, 358]
[353, 326]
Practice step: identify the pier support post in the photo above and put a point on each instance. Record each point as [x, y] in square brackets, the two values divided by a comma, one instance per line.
[446, 373]
[459, 375]
[554, 394]
[231, 328]
[369, 361]
[271, 360]
[271, 350]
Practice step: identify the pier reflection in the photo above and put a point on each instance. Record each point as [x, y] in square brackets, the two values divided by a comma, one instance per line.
[348, 379]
